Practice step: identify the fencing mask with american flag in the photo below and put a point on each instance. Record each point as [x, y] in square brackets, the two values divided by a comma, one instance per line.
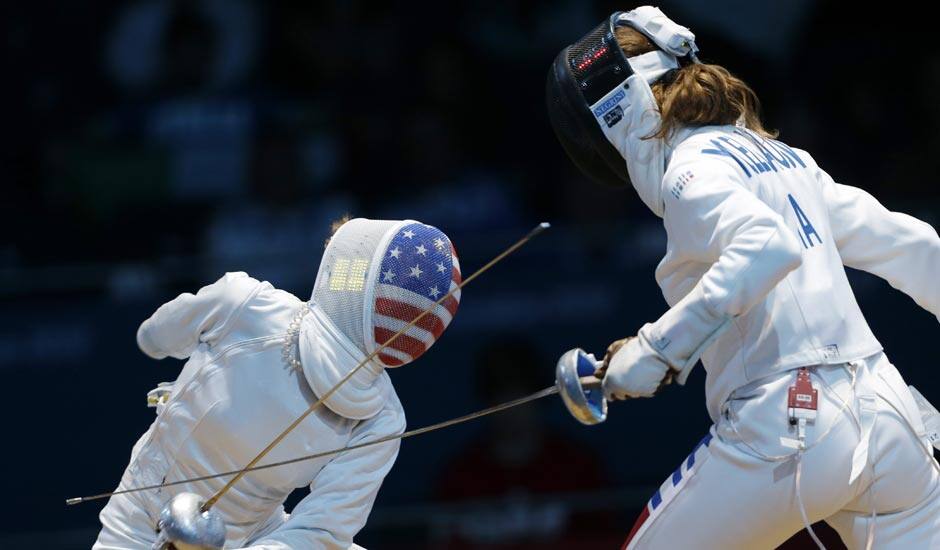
[376, 276]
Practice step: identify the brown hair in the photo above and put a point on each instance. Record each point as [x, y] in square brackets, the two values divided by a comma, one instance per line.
[697, 94]
[334, 227]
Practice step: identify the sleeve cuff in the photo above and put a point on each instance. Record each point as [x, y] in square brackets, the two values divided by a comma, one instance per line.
[683, 333]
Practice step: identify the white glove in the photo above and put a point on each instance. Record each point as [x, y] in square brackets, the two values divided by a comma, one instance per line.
[664, 350]
[634, 369]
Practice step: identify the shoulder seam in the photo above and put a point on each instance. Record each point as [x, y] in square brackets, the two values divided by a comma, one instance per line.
[237, 311]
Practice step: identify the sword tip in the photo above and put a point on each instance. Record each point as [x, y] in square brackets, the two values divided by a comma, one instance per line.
[538, 229]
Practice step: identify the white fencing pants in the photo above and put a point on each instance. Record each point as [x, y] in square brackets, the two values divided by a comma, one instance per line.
[737, 489]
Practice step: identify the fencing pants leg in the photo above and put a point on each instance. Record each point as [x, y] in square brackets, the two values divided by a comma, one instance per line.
[738, 487]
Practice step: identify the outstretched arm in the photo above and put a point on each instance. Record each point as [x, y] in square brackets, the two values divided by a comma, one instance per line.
[719, 220]
[342, 494]
[178, 326]
[896, 247]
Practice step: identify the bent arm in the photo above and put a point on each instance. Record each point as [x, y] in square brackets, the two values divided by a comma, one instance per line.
[753, 250]
[342, 494]
[178, 326]
[899, 248]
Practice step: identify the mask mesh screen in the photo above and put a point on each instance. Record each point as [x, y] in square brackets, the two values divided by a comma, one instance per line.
[341, 282]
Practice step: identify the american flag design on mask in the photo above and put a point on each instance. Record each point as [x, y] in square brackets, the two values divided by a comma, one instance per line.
[420, 266]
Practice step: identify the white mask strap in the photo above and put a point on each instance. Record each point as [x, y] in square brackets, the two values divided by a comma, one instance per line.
[664, 32]
[653, 65]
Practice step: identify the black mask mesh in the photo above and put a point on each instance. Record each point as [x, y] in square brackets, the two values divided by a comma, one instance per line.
[581, 75]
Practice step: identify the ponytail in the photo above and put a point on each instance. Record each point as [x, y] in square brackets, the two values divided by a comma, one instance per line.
[697, 94]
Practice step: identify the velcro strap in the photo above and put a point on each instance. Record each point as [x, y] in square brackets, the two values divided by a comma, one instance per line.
[664, 32]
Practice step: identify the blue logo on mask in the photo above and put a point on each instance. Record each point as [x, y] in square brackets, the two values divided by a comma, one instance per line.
[609, 104]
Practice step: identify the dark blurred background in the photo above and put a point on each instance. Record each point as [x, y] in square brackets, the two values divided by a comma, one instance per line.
[149, 146]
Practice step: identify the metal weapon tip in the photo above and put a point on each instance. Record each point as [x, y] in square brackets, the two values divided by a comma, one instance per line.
[538, 229]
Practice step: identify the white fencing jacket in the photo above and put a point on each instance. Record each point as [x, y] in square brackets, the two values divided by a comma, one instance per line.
[759, 234]
[233, 396]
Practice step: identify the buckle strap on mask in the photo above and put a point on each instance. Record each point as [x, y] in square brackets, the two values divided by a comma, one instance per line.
[665, 33]
[653, 65]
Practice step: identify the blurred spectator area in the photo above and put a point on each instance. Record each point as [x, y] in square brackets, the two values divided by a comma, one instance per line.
[140, 130]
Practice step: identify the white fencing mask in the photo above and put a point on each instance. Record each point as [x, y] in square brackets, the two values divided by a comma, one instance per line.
[376, 276]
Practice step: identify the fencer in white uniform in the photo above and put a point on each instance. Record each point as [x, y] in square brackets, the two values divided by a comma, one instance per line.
[256, 359]
[758, 237]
